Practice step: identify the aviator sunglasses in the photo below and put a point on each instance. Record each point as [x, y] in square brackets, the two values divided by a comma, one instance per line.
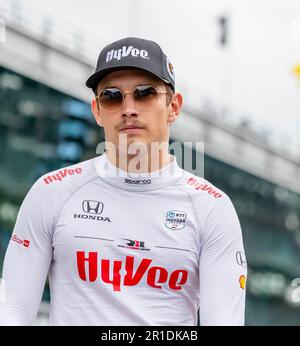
[145, 96]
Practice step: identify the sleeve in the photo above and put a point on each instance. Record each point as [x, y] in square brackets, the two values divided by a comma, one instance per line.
[27, 259]
[222, 267]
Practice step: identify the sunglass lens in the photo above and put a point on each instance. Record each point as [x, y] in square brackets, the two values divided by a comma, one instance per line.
[145, 94]
[110, 99]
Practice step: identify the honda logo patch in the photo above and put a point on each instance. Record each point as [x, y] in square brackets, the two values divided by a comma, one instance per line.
[92, 207]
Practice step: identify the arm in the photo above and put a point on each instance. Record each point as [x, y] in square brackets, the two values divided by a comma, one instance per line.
[27, 260]
[222, 278]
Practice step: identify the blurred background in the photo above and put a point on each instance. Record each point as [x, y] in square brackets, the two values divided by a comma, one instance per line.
[238, 67]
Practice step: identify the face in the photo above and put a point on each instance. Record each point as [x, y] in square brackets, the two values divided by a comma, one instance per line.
[139, 124]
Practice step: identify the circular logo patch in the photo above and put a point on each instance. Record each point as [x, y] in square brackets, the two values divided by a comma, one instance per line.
[170, 68]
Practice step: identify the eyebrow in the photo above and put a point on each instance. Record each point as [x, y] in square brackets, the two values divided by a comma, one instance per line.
[109, 86]
[140, 84]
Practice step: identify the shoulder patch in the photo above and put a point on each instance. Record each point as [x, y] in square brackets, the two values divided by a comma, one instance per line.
[197, 185]
[58, 176]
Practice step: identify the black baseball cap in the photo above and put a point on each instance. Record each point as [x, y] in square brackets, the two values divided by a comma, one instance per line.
[133, 53]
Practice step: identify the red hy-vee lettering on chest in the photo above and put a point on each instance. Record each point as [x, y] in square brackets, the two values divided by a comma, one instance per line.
[109, 272]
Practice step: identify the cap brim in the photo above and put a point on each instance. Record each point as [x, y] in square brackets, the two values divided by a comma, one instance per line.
[95, 78]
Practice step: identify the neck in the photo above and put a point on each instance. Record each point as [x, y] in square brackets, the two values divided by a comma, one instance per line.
[141, 162]
[147, 181]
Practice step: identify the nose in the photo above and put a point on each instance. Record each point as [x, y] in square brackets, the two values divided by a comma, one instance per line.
[129, 106]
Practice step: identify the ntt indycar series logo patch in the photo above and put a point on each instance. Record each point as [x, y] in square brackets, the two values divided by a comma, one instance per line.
[175, 219]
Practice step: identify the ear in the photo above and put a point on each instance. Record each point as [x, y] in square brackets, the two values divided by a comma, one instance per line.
[175, 107]
[96, 112]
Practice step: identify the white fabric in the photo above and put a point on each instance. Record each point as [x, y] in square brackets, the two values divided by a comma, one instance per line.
[146, 249]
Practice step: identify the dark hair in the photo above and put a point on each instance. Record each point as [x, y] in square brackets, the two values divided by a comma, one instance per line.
[170, 94]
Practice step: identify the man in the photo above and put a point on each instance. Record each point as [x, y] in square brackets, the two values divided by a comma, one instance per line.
[128, 238]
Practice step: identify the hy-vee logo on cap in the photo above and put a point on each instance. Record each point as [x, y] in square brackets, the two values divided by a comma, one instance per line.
[123, 52]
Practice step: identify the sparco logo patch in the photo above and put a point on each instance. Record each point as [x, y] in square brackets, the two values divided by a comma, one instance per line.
[24, 242]
[204, 187]
[128, 272]
[123, 52]
[137, 181]
[63, 173]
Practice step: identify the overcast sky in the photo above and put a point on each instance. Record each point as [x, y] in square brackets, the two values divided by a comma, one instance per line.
[253, 75]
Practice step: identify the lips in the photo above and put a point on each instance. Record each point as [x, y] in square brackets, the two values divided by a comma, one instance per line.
[130, 128]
